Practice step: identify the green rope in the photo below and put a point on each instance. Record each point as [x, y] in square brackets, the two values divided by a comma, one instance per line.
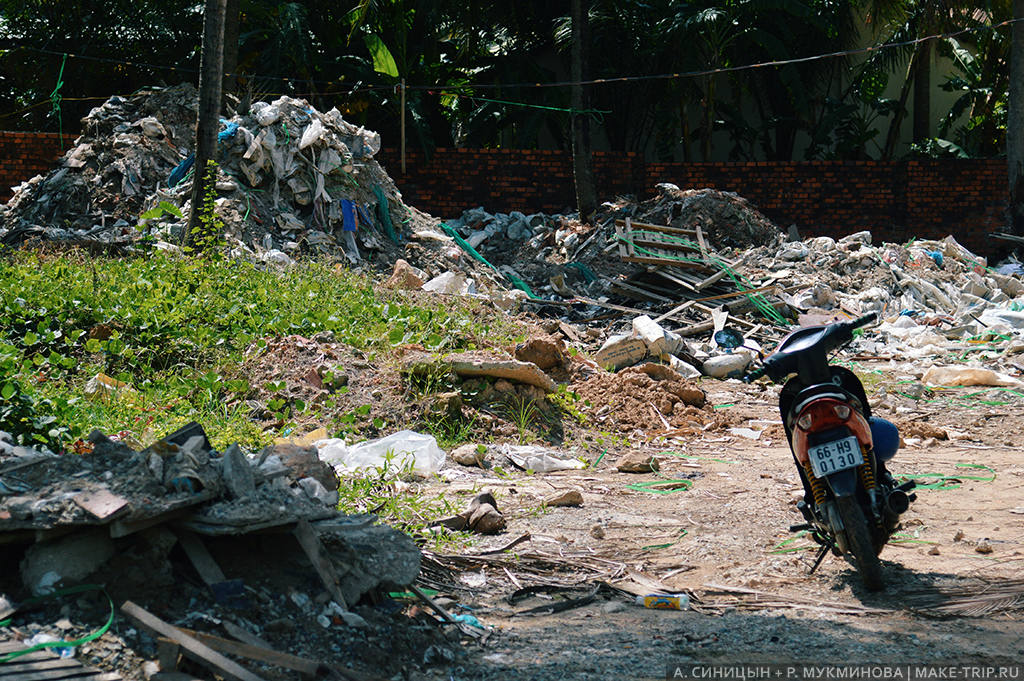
[516, 281]
[62, 644]
[761, 303]
[384, 213]
[948, 482]
[596, 114]
[651, 485]
[55, 99]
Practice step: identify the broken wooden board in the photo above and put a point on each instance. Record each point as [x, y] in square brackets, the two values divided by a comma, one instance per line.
[196, 650]
[259, 653]
[200, 558]
[101, 503]
[44, 665]
[314, 550]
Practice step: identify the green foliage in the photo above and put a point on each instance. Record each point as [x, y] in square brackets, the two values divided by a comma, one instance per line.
[177, 329]
[524, 414]
[403, 506]
[208, 235]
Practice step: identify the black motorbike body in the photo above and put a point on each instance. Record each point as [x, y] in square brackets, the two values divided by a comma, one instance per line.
[851, 504]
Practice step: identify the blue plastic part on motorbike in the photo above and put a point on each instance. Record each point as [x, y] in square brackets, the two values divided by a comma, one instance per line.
[886, 438]
[843, 483]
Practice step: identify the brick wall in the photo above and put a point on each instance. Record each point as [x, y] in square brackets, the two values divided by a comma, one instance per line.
[23, 155]
[896, 200]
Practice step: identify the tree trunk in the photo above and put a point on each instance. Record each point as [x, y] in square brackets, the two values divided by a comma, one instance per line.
[893, 137]
[583, 171]
[232, 20]
[1015, 124]
[923, 93]
[208, 122]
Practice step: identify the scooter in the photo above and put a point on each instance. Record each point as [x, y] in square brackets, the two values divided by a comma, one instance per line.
[851, 504]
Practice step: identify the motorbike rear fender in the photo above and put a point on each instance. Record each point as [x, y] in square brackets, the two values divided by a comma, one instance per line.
[856, 424]
[843, 483]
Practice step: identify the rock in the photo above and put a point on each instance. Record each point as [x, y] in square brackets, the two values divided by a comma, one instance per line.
[933, 551]
[731, 365]
[448, 404]
[658, 341]
[66, 560]
[569, 497]
[543, 352]
[613, 607]
[511, 369]
[405, 277]
[455, 283]
[237, 473]
[469, 455]
[304, 462]
[597, 531]
[487, 520]
[637, 462]
[983, 547]
[620, 351]
[377, 556]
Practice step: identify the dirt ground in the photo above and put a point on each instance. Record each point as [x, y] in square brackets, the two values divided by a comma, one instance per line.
[954, 590]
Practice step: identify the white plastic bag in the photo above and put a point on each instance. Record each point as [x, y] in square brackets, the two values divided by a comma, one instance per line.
[400, 451]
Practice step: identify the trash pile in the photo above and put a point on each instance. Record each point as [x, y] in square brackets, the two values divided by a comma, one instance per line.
[113, 515]
[290, 178]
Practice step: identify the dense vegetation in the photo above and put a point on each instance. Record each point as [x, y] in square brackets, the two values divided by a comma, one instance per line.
[177, 331]
[471, 69]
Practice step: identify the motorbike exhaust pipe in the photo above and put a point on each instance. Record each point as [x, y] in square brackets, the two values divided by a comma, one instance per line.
[897, 502]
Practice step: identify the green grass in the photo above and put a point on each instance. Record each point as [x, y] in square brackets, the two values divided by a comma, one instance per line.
[176, 329]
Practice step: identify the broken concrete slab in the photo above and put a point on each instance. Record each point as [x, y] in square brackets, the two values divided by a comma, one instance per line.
[65, 561]
[405, 277]
[510, 369]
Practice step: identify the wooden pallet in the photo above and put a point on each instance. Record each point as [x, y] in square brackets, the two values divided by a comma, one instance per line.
[44, 665]
[659, 245]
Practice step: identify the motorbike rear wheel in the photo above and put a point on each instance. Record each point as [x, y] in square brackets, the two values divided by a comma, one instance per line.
[859, 543]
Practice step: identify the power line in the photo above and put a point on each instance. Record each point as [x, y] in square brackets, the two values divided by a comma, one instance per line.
[453, 89]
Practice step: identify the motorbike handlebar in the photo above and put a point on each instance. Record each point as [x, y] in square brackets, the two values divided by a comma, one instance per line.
[754, 375]
[864, 320]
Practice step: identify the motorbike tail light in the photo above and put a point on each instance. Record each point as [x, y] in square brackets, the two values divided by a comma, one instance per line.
[805, 421]
[842, 411]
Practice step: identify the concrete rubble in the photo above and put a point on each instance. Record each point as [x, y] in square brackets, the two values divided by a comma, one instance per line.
[73, 517]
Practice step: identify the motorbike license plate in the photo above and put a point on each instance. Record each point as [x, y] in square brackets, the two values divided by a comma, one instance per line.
[838, 455]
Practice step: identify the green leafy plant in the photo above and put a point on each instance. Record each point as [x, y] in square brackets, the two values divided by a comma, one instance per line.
[524, 414]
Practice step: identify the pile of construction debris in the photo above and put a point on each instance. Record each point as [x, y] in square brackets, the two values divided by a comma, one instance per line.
[113, 515]
[290, 178]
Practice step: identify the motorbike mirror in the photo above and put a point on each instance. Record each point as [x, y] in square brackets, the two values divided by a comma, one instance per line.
[729, 338]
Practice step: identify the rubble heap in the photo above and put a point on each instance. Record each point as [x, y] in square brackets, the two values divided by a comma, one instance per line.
[289, 175]
[77, 513]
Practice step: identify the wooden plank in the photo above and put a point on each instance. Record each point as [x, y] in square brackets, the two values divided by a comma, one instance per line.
[243, 634]
[700, 243]
[651, 260]
[197, 650]
[674, 311]
[200, 557]
[259, 653]
[41, 670]
[624, 248]
[310, 543]
[659, 228]
[668, 274]
[632, 288]
[711, 280]
[101, 503]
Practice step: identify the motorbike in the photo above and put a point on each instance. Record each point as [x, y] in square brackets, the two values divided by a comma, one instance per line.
[852, 504]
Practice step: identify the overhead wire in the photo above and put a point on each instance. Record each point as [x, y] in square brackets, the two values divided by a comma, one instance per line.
[562, 83]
